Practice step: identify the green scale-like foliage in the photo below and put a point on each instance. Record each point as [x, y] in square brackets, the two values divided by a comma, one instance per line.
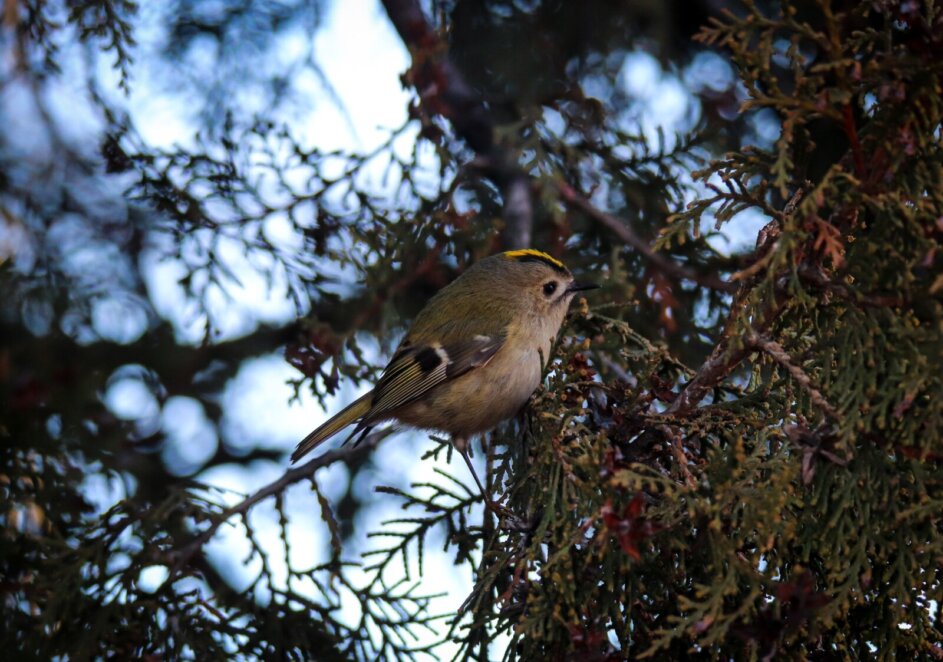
[731, 457]
[797, 511]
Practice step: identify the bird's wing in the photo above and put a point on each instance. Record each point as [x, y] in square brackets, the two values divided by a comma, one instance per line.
[415, 369]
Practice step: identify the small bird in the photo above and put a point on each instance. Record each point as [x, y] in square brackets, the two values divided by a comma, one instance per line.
[474, 354]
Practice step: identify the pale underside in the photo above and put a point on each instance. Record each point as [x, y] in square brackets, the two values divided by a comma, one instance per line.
[480, 399]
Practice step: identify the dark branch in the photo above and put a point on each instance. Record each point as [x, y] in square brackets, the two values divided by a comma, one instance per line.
[444, 91]
[621, 229]
[345, 454]
[778, 354]
[717, 366]
[725, 356]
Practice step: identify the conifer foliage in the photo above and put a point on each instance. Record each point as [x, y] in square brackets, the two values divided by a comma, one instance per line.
[733, 456]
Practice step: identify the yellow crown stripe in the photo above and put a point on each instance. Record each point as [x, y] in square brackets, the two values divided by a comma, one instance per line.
[530, 252]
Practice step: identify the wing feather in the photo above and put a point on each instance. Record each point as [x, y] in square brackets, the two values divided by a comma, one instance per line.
[416, 369]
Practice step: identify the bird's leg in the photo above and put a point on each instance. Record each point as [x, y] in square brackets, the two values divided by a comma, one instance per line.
[461, 445]
[463, 451]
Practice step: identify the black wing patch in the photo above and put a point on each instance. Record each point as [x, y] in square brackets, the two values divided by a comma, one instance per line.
[415, 370]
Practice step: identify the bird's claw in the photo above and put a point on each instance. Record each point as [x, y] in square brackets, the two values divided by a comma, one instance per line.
[506, 519]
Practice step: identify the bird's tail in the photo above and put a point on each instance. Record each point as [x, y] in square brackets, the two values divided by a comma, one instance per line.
[354, 411]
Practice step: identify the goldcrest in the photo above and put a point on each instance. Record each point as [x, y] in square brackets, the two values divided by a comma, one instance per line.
[474, 354]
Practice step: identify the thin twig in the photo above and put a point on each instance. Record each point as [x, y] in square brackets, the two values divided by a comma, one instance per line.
[715, 368]
[681, 457]
[781, 356]
[621, 229]
[756, 267]
[723, 358]
[767, 239]
[817, 277]
[346, 454]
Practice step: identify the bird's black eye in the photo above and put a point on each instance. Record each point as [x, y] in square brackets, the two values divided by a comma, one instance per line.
[550, 287]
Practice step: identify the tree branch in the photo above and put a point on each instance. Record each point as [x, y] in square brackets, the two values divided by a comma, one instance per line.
[715, 368]
[444, 91]
[723, 358]
[815, 276]
[621, 229]
[778, 354]
[179, 558]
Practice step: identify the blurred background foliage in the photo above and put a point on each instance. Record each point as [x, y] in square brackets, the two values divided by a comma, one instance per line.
[737, 453]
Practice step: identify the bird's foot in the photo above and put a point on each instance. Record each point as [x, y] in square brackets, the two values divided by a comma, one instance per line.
[507, 520]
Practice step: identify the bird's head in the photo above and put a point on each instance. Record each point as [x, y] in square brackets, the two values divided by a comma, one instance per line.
[535, 282]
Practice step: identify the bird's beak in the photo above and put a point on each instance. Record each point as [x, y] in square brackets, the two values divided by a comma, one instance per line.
[577, 286]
